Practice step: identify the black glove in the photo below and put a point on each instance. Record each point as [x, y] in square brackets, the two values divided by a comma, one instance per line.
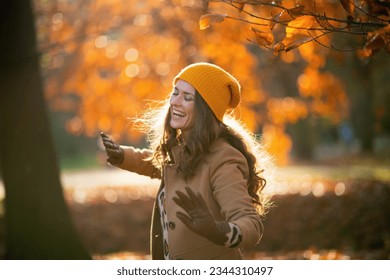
[198, 217]
[115, 153]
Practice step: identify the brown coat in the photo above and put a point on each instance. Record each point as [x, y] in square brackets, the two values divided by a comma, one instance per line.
[221, 179]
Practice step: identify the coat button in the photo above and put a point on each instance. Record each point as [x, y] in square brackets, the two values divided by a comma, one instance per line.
[172, 225]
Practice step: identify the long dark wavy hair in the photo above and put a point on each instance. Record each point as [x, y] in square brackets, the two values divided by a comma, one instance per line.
[207, 128]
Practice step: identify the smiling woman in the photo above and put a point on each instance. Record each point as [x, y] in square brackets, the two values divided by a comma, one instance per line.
[182, 106]
[210, 202]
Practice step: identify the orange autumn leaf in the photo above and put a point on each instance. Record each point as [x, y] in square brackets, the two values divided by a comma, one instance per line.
[378, 39]
[263, 38]
[285, 16]
[295, 41]
[300, 25]
[210, 19]
[297, 33]
[348, 5]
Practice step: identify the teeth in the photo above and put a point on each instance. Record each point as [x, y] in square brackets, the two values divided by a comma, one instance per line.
[179, 113]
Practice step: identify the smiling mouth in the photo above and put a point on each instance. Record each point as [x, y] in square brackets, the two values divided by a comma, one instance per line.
[178, 113]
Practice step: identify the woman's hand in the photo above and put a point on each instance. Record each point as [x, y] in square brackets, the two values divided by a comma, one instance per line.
[115, 153]
[198, 217]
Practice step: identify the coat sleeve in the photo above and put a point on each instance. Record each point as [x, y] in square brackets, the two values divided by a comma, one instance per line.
[139, 161]
[228, 175]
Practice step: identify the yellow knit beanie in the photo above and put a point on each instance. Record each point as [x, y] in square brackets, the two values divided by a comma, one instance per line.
[219, 89]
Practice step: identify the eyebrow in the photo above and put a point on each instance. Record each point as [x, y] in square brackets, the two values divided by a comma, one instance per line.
[185, 92]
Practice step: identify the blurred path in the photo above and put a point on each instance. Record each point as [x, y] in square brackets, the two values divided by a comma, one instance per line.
[99, 177]
[306, 179]
[104, 177]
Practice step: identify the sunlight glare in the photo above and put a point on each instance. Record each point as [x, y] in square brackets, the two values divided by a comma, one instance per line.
[2, 191]
[190, 3]
[163, 69]
[132, 70]
[101, 41]
[339, 189]
[294, 187]
[305, 187]
[112, 50]
[57, 18]
[134, 194]
[143, 71]
[332, 255]
[318, 189]
[57, 21]
[143, 20]
[307, 254]
[131, 55]
[281, 188]
[79, 196]
[111, 196]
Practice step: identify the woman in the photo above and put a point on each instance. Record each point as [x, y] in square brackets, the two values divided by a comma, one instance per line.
[209, 204]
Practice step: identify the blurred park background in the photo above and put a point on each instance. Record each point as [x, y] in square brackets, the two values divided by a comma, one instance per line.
[316, 91]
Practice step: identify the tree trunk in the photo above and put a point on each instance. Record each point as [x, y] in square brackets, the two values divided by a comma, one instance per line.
[303, 135]
[37, 221]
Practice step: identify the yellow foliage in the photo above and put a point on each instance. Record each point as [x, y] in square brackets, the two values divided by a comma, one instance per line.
[300, 25]
[210, 19]
[125, 55]
[327, 95]
[277, 143]
[292, 110]
[116, 71]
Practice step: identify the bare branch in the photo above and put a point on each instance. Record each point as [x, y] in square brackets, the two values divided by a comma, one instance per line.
[362, 21]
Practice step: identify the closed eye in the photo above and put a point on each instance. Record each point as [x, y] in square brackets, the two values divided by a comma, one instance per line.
[188, 97]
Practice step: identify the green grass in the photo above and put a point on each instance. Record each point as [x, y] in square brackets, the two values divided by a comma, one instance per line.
[79, 162]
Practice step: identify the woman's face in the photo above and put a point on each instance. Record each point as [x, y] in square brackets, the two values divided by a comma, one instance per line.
[182, 106]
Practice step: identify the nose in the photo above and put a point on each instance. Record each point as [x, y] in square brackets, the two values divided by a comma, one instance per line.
[176, 100]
